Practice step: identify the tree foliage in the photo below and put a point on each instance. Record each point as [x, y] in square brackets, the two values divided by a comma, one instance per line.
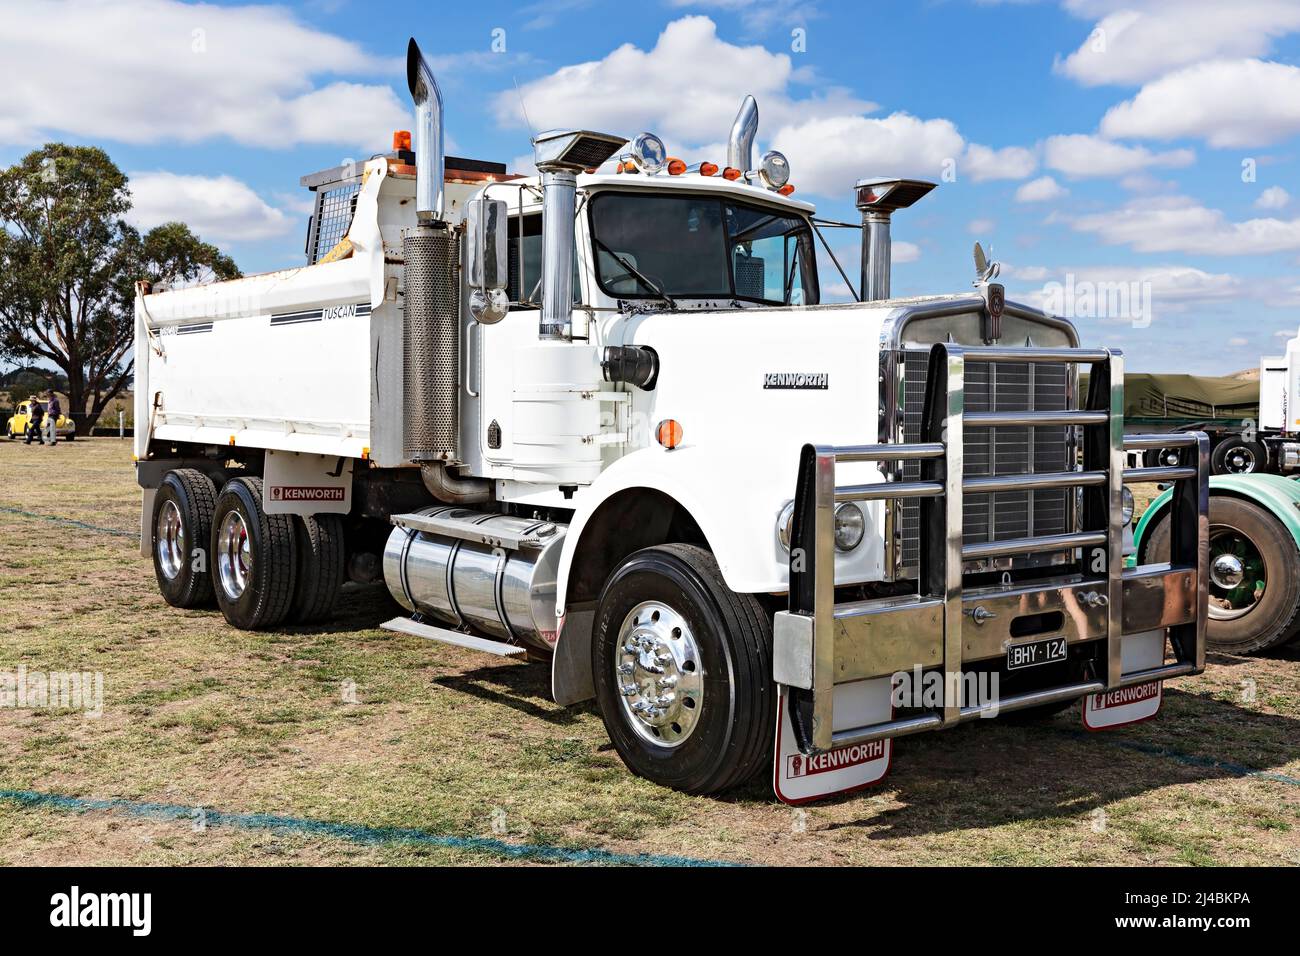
[69, 263]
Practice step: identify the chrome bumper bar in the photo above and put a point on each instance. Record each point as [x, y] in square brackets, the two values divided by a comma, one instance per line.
[818, 644]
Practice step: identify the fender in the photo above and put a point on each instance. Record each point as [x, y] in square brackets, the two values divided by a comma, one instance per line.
[738, 520]
[1277, 495]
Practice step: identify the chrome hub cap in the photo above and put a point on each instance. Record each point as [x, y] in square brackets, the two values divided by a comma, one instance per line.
[658, 673]
[1238, 574]
[1240, 461]
[234, 557]
[1227, 571]
[170, 533]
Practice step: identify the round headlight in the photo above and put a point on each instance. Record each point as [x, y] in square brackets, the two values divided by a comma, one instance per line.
[649, 153]
[775, 169]
[850, 526]
[784, 525]
[1127, 512]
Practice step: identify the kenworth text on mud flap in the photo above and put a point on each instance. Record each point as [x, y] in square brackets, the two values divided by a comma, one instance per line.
[602, 420]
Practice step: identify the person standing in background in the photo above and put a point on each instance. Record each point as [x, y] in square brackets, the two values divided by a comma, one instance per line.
[52, 412]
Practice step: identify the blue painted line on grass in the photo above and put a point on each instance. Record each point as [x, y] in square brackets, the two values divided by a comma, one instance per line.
[72, 521]
[349, 831]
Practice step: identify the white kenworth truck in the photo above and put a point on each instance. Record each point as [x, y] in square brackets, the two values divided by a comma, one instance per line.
[601, 419]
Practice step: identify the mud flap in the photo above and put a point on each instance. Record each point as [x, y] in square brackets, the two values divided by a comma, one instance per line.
[1128, 705]
[798, 778]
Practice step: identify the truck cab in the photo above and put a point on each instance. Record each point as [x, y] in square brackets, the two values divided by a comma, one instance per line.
[601, 418]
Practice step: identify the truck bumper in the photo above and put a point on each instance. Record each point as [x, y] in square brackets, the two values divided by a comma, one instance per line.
[819, 643]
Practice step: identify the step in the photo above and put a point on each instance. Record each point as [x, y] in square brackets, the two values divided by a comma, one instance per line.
[404, 625]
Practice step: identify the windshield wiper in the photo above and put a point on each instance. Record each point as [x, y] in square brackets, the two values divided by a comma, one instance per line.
[639, 276]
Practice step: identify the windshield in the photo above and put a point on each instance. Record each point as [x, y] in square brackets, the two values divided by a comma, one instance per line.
[702, 246]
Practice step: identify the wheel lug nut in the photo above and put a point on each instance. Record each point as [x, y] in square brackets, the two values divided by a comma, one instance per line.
[627, 690]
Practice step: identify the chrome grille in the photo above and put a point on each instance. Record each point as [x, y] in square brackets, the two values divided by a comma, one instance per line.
[1009, 386]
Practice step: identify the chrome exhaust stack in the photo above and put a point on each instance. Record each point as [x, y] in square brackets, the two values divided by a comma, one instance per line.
[740, 144]
[559, 156]
[430, 289]
[427, 136]
[877, 200]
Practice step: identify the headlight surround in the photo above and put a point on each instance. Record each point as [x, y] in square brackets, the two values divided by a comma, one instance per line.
[1127, 512]
[784, 525]
[850, 526]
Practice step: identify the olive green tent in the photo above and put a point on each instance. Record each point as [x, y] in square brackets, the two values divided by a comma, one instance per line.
[1148, 395]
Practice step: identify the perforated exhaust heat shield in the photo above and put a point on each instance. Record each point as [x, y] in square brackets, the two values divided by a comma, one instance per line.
[430, 342]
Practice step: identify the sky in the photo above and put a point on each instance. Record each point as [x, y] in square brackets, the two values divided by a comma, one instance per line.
[1133, 164]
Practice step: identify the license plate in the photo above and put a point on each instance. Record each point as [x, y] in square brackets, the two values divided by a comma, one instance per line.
[1036, 652]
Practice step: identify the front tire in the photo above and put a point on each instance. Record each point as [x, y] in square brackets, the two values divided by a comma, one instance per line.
[254, 557]
[683, 671]
[182, 524]
[1254, 576]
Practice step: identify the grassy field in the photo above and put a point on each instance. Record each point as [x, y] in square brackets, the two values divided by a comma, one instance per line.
[444, 757]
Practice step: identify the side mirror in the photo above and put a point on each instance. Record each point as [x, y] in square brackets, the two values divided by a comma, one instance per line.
[486, 223]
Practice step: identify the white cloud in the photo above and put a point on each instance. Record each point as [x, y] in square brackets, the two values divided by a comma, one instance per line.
[759, 16]
[1138, 40]
[686, 88]
[1181, 224]
[1237, 341]
[1275, 197]
[217, 208]
[149, 71]
[1228, 103]
[1043, 189]
[1081, 156]
[689, 84]
[905, 251]
[981, 227]
[1172, 288]
[1010, 162]
[827, 156]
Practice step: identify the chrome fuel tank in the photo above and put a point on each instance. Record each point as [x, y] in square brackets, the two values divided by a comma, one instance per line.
[468, 578]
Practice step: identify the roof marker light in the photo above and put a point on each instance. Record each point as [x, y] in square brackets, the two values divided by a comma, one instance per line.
[669, 433]
[731, 173]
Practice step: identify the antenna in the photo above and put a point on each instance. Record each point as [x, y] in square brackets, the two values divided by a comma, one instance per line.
[523, 108]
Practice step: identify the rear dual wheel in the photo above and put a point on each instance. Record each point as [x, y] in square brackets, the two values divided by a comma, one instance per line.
[254, 557]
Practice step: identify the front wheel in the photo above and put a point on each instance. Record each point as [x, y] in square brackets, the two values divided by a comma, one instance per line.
[683, 671]
[1254, 576]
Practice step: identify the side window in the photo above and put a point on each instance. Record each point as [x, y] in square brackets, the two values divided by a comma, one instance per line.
[524, 253]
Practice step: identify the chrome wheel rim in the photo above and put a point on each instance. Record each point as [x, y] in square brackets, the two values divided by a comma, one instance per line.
[1239, 461]
[1238, 574]
[234, 556]
[659, 674]
[170, 532]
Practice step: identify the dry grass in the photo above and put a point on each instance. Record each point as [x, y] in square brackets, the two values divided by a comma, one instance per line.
[199, 714]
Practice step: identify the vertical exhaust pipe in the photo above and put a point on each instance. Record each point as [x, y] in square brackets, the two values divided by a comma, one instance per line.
[559, 156]
[877, 200]
[430, 290]
[430, 158]
[740, 144]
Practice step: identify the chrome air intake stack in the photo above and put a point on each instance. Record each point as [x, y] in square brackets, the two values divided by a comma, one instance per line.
[560, 155]
[431, 287]
[877, 200]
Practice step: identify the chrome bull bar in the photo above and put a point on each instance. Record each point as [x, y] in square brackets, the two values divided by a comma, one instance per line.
[818, 644]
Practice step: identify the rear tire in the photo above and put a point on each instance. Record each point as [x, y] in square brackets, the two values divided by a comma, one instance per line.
[253, 557]
[670, 604]
[1243, 619]
[1236, 456]
[182, 523]
[322, 567]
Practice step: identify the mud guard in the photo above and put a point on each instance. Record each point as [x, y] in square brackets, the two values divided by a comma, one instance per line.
[798, 778]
